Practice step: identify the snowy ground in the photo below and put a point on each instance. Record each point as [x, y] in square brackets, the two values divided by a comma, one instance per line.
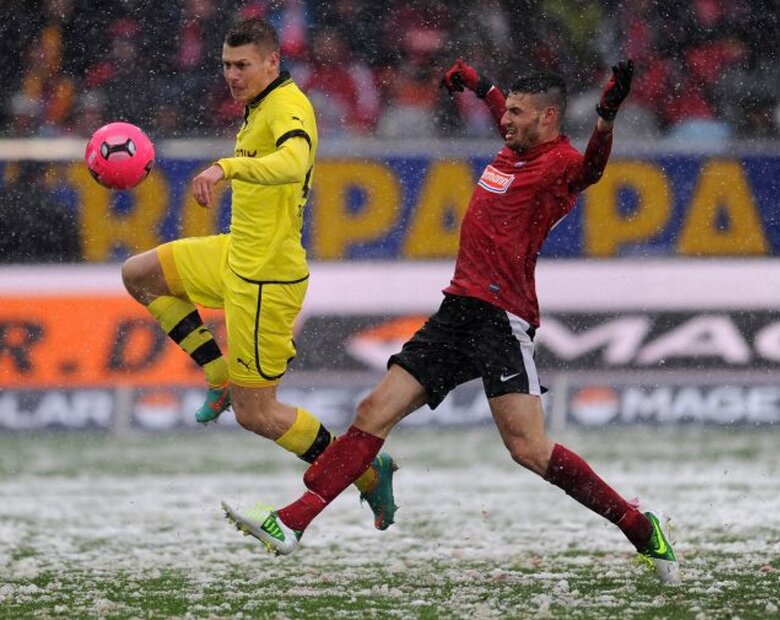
[92, 525]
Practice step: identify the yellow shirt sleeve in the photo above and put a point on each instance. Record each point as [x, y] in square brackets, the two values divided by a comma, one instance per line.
[288, 164]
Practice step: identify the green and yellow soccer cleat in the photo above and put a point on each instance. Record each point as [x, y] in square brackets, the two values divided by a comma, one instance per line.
[265, 525]
[217, 401]
[659, 554]
[380, 498]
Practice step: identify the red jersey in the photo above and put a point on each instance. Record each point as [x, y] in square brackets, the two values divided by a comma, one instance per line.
[519, 198]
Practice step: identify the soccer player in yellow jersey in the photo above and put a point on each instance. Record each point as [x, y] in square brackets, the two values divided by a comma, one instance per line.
[257, 272]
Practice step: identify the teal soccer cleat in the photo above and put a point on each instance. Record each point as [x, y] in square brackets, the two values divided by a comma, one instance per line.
[217, 401]
[380, 498]
[265, 525]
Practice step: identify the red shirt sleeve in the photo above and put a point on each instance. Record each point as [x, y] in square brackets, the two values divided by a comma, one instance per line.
[496, 103]
[592, 165]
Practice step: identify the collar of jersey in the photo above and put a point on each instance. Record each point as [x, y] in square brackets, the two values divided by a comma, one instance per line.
[283, 78]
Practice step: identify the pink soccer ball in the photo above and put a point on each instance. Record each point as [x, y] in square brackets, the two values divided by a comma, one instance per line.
[119, 155]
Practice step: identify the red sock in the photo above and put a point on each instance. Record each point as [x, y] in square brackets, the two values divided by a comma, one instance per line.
[572, 474]
[335, 469]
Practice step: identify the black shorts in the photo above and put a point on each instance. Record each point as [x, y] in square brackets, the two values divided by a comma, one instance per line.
[469, 338]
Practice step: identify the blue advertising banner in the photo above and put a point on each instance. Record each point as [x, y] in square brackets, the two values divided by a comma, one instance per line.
[410, 207]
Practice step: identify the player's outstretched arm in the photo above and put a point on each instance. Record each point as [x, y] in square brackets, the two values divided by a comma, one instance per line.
[287, 164]
[600, 144]
[462, 75]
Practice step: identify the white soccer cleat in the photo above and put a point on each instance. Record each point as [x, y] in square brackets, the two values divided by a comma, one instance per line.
[265, 525]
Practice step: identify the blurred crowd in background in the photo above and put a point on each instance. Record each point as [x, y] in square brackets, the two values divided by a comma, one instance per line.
[706, 69]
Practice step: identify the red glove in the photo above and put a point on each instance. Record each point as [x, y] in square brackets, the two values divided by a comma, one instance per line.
[616, 90]
[461, 75]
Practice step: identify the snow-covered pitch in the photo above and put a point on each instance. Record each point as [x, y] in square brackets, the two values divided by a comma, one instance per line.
[130, 526]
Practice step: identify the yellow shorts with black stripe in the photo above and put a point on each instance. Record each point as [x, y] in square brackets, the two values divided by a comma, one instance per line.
[259, 316]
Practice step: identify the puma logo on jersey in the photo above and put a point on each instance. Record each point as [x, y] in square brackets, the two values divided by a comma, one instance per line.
[495, 181]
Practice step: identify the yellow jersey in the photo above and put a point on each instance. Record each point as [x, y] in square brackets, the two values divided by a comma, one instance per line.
[271, 172]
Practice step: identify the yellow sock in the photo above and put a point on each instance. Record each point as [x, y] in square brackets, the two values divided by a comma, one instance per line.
[307, 438]
[180, 319]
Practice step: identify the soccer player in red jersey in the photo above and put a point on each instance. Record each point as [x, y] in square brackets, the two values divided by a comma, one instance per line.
[487, 320]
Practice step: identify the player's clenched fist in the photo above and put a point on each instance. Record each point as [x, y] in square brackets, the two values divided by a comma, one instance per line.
[616, 90]
[203, 184]
[462, 75]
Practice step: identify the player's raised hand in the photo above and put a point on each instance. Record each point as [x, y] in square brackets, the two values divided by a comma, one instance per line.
[203, 184]
[616, 90]
[462, 75]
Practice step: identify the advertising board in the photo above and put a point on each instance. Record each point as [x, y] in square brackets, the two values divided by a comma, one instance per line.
[621, 342]
[383, 203]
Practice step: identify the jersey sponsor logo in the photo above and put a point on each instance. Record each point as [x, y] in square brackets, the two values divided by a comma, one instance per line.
[495, 181]
[245, 153]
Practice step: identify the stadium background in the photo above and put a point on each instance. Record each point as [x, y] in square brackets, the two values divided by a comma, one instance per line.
[660, 338]
[657, 290]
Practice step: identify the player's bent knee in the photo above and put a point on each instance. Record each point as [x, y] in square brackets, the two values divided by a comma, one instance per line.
[364, 408]
[143, 277]
[243, 418]
[136, 276]
[376, 416]
[366, 415]
[131, 275]
[521, 457]
[252, 419]
[528, 455]
[260, 417]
